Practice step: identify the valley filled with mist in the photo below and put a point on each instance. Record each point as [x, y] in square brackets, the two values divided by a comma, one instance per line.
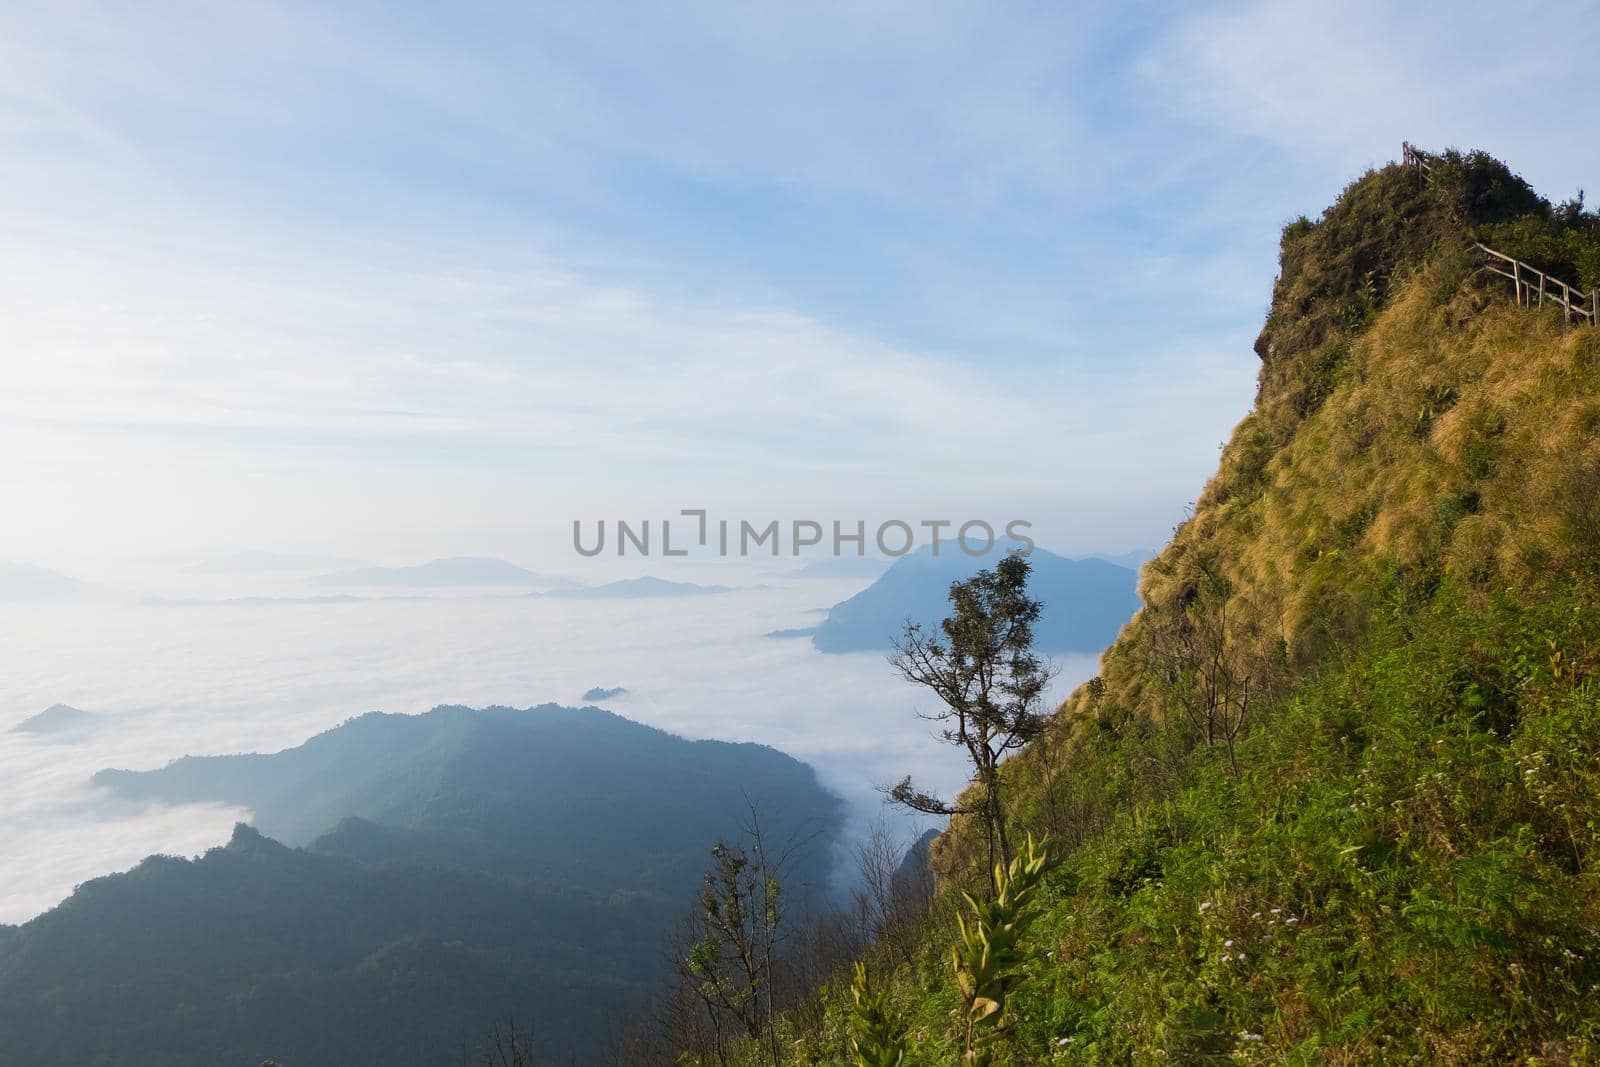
[487, 506]
[196, 672]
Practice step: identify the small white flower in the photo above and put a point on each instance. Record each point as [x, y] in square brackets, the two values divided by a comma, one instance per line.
[1205, 905]
[1277, 911]
[1255, 915]
[1290, 921]
[1228, 943]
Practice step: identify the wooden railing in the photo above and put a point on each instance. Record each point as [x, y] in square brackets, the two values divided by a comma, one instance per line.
[1417, 161]
[1532, 285]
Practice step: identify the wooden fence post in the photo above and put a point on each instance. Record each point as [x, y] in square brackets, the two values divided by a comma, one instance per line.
[1577, 307]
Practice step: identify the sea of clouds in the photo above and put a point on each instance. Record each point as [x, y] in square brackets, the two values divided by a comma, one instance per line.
[173, 679]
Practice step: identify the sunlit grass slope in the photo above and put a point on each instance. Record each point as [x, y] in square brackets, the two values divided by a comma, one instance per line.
[1335, 795]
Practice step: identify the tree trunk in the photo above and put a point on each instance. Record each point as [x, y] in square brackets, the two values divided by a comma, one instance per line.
[996, 812]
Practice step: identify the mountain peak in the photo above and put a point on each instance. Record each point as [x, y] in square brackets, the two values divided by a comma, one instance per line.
[57, 718]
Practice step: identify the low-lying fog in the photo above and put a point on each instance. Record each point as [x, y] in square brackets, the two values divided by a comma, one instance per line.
[181, 678]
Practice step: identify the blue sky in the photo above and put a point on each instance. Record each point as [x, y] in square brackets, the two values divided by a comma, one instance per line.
[404, 280]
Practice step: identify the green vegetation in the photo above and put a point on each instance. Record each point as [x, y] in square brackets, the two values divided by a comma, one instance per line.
[730, 964]
[986, 961]
[988, 956]
[483, 866]
[877, 1037]
[1335, 794]
[257, 949]
[983, 670]
[1403, 866]
[577, 794]
[1563, 241]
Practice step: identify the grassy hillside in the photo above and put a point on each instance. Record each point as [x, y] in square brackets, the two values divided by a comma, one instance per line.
[1335, 795]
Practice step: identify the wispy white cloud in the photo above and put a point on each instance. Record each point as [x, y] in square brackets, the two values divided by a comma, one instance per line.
[1338, 86]
[399, 281]
[506, 261]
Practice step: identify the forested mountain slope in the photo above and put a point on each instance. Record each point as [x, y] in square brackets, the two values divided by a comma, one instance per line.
[579, 795]
[479, 867]
[258, 950]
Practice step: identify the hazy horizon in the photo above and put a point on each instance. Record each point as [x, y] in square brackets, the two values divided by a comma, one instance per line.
[388, 285]
[174, 680]
[338, 342]
[342, 290]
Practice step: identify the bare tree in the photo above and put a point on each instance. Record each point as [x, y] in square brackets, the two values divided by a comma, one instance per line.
[990, 683]
[1215, 673]
[676, 1028]
[506, 1046]
[894, 887]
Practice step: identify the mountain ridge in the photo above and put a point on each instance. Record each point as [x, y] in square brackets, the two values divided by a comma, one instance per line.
[1085, 601]
[437, 573]
[446, 872]
[57, 718]
[479, 770]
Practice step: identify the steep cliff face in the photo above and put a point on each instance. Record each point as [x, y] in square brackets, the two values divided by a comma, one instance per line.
[1414, 430]
[1335, 792]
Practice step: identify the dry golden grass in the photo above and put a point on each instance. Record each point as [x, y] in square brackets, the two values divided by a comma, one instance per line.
[1460, 441]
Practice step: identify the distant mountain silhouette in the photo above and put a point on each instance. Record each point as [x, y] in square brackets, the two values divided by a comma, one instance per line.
[599, 693]
[268, 562]
[791, 633]
[57, 719]
[845, 567]
[459, 868]
[630, 588]
[575, 793]
[1133, 559]
[22, 582]
[438, 573]
[271, 601]
[916, 866]
[1086, 601]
